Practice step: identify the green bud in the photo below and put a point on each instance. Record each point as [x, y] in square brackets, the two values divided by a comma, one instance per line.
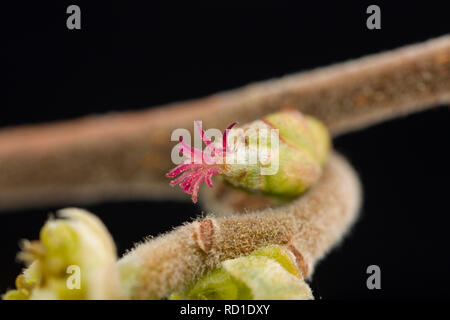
[77, 245]
[268, 273]
[303, 148]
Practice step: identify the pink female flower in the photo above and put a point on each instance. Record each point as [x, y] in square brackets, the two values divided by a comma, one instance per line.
[191, 174]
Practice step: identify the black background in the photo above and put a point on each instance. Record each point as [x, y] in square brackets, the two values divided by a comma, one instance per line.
[135, 56]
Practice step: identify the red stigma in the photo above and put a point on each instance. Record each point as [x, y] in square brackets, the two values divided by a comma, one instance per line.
[191, 174]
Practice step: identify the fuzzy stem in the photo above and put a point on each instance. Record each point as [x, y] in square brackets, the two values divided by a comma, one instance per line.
[124, 156]
[308, 226]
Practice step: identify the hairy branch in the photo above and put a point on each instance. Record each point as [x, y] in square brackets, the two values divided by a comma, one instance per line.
[308, 226]
[125, 156]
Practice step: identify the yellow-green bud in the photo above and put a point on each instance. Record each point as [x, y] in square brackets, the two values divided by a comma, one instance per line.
[268, 273]
[74, 259]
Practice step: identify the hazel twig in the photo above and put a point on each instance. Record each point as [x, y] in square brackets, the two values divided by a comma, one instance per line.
[124, 156]
[308, 226]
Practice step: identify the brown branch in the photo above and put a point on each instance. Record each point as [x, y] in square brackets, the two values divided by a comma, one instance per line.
[125, 155]
[308, 226]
